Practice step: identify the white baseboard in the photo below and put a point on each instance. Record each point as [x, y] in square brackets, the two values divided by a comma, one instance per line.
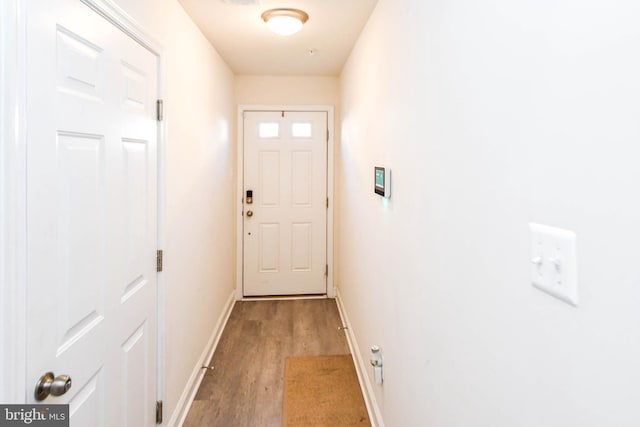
[375, 415]
[186, 399]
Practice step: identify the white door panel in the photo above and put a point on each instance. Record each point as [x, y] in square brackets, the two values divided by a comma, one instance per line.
[285, 165]
[91, 213]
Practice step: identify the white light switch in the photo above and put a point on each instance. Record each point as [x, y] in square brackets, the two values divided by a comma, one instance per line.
[553, 262]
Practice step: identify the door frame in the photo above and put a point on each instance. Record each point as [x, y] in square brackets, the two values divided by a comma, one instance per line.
[13, 195]
[13, 191]
[329, 109]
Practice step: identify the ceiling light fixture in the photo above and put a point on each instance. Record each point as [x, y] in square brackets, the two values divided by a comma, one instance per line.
[285, 21]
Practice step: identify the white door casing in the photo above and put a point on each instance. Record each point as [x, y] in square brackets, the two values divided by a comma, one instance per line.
[12, 199]
[91, 213]
[285, 226]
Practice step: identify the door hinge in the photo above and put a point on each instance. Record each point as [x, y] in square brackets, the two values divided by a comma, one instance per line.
[327, 135]
[326, 270]
[159, 260]
[159, 110]
[159, 412]
[327, 203]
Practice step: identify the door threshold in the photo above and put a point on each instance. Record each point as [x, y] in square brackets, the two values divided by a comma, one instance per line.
[282, 297]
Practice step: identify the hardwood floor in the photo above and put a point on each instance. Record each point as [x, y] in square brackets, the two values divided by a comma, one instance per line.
[245, 388]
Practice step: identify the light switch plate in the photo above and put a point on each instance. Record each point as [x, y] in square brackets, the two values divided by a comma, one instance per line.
[553, 262]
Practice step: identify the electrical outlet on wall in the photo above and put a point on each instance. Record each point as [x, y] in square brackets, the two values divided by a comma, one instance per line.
[553, 262]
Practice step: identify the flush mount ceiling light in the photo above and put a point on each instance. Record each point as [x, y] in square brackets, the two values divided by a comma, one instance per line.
[285, 21]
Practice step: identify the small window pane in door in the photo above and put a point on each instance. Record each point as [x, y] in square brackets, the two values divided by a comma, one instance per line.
[269, 130]
[301, 130]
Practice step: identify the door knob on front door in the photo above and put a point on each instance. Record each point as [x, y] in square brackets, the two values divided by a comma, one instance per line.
[50, 385]
[249, 214]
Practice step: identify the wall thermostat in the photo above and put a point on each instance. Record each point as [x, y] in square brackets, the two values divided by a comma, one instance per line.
[382, 181]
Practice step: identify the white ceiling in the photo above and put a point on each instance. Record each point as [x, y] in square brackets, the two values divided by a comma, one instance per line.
[250, 48]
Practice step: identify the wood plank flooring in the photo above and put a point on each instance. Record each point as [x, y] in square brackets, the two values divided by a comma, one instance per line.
[245, 388]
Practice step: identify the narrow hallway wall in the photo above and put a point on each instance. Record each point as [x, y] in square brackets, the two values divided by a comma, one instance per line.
[492, 115]
[200, 165]
[287, 90]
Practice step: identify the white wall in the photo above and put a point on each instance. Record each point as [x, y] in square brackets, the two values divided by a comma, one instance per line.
[199, 213]
[285, 90]
[492, 115]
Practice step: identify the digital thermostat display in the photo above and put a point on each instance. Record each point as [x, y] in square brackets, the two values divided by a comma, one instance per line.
[382, 181]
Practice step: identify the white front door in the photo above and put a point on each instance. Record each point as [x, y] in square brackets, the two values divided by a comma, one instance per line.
[91, 214]
[285, 218]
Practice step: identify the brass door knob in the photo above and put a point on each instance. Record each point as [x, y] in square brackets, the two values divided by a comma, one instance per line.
[249, 214]
[50, 385]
